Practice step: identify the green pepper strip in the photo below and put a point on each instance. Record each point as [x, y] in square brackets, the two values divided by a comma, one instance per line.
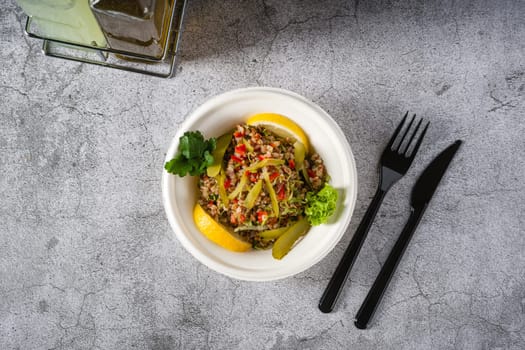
[222, 191]
[272, 234]
[251, 197]
[299, 154]
[265, 162]
[271, 191]
[239, 188]
[218, 154]
[248, 146]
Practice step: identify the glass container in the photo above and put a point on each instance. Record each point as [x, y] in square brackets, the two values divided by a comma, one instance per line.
[138, 26]
[66, 20]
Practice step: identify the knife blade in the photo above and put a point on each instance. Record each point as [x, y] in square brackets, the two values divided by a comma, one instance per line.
[429, 179]
[422, 193]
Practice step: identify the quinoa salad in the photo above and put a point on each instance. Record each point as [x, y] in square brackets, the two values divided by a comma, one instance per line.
[262, 185]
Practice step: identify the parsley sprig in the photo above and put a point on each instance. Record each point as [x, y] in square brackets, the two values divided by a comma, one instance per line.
[194, 155]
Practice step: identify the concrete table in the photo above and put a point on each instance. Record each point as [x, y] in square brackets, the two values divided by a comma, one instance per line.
[86, 255]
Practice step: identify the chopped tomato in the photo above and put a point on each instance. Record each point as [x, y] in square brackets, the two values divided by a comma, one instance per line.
[262, 216]
[240, 149]
[261, 157]
[236, 159]
[227, 183]
[291, 163]
[253, 177]
[281, 192]
[242, 218]
[238, 134]
[274, 175]
[311, 173]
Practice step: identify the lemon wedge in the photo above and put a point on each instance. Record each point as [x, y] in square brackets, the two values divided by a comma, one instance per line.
[216, 233]
[280, 125]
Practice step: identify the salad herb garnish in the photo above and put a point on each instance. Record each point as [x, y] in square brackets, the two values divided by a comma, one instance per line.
[194, 155]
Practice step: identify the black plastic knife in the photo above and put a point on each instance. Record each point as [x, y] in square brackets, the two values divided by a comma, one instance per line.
[421, 195]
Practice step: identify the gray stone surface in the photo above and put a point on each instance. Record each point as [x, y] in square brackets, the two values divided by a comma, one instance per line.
[86, 259]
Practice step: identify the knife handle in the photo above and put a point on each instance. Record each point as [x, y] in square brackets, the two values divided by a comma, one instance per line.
[372, 300]
[337, 282]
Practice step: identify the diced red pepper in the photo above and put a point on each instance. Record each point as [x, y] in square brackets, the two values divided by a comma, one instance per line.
[281, 192]
[238, 134]
[261, 157]
[242, 218]
[240, 149]
[291, 163]
[262, 216]
[311, 173]
[274, 175]
[236, 159]
[227, 183]
[253, 177]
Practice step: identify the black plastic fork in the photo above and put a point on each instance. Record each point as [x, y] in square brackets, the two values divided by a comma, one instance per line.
[395, 162]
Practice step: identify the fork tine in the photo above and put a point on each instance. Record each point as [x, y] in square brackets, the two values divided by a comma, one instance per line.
[405, 150]
[396, 132]
[405, 133]
[416, 147]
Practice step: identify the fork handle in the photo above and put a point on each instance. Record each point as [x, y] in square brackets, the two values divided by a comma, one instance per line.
[374, 296]
[337, 282]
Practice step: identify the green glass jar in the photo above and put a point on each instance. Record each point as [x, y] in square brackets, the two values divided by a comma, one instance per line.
[66, 20]
[137, 26]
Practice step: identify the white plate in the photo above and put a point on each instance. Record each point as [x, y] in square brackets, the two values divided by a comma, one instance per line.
[217, 116]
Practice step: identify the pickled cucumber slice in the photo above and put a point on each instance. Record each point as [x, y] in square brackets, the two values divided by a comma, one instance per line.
[284, 243]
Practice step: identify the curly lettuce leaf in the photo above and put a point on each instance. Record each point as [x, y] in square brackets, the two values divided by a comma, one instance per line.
[321, 205]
